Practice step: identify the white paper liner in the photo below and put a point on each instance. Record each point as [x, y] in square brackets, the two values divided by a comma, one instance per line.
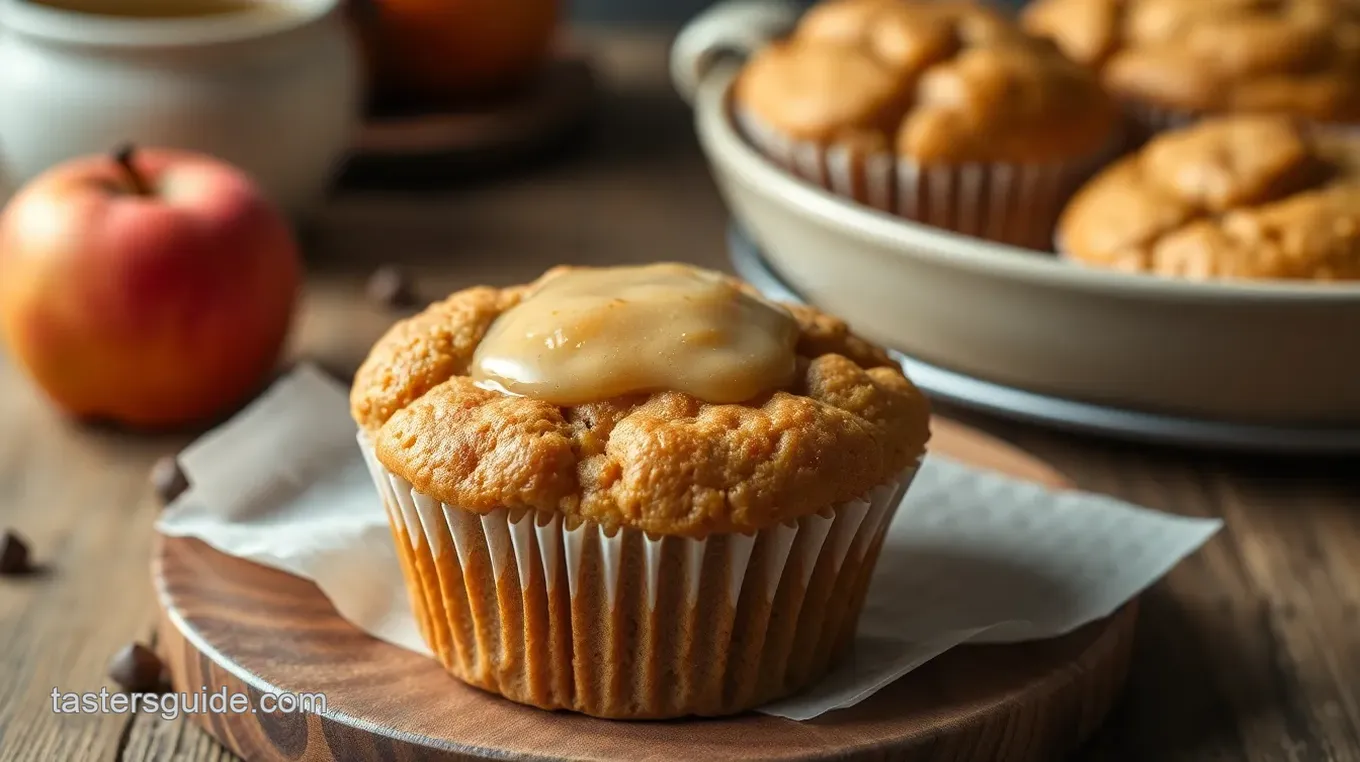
[681, 626]
[1011, 203]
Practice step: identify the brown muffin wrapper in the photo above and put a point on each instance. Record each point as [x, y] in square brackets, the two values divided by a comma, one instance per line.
[1147, 120]
[1016, 204]
[1151, 119]
[565, 616]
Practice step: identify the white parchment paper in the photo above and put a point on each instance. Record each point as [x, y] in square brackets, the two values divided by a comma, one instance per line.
[971, 557]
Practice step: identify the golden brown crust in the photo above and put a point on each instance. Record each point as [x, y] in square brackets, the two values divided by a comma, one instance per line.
[824, 94]
[1298, 57]
[939, 82]
[665, 463]
[1232, 197]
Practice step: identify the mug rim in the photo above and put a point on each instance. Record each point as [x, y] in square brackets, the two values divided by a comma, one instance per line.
[54, 24]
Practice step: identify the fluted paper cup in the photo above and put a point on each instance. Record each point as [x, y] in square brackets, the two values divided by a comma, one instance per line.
[1016, 204]
[1148, 120]
[566, 615]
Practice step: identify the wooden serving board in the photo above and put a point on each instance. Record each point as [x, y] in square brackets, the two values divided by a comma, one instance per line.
[228, 623]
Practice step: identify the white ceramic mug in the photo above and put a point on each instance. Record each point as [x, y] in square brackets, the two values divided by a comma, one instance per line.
[274, 91]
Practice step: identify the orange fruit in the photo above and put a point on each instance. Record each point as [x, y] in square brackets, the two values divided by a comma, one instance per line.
[452, 49]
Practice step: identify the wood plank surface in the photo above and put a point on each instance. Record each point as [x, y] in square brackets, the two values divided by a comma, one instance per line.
[1249, 651]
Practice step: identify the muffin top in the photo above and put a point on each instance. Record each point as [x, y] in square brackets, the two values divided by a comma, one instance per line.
[1298, 57]
[944, 82]
[1247, 196]
[843, 419]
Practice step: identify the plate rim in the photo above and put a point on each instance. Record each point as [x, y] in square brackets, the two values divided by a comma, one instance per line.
[1068, 414]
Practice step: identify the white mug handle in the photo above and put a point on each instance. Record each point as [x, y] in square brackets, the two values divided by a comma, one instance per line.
[738, 27]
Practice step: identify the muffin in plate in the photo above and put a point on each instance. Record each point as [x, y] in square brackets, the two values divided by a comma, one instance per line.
[637, 492]
[1246, 196]
[943, 112]
[1171, 61]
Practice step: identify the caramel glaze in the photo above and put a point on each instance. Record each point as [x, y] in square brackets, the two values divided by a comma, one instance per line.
[595, 333]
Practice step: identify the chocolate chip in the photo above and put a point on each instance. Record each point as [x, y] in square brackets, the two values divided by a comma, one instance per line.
[137, 669]
[391, 287]
[168, 479]
[13, 555]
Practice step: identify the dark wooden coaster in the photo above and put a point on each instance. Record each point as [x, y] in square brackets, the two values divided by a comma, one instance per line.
[228, 623]
[401, 142]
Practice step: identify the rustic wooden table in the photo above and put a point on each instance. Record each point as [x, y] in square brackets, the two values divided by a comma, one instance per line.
[1250, 650]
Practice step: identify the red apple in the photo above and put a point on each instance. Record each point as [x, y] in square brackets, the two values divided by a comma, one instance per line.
[153, 289]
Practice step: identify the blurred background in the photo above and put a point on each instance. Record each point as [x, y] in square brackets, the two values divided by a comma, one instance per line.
[657, 11]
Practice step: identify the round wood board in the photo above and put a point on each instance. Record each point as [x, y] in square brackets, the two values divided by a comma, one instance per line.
[426, 143]
[228, 623]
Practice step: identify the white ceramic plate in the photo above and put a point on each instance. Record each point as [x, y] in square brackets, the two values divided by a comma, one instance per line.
[965, 391]
[1275, 353]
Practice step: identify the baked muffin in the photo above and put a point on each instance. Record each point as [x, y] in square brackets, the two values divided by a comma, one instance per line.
[943, 112]
[1245, 196]
[1174, 60]
[639, 492]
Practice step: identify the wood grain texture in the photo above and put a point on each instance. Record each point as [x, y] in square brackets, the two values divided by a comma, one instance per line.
[80, 497]
[1249, 651]
[232, 624]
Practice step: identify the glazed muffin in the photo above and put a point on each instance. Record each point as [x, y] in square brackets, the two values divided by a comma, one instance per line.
[1232, 197]
[638, 492]
[1171, 61]
[943, 112]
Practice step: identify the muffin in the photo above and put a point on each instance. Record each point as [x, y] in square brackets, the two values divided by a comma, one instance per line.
[1244, 196]
[638, 492]
[942, 112]
[1171, 61]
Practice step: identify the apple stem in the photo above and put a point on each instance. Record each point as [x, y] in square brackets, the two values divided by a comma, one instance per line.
[134, 178]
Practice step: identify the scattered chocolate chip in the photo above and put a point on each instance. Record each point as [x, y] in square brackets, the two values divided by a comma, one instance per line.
[13, 555]
[137, 669]
[391, 287]
[168, 479]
